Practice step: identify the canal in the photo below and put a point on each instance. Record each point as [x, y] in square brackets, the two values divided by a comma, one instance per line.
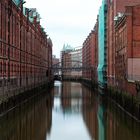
[69, 111]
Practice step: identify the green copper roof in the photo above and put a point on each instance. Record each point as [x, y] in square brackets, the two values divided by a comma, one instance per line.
[17, 2]
[67, 48]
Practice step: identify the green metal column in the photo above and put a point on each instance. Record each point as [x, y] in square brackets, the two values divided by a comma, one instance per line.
[102, 45]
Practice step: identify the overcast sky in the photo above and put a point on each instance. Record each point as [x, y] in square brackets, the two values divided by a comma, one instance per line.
[66, 21]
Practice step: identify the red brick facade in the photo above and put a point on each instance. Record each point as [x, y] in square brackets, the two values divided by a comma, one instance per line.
[127, 32]
[95, 56]
[66, 62]
[110, 44]
[89, 55]
[25, 55]
[114, 8]
[119, 5]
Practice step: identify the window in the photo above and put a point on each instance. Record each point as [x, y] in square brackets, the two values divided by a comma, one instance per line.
[1, 68]
[4, 67]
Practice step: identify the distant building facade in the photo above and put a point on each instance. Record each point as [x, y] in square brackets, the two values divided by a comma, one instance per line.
[76, 58]
[55, 63]
[66, 60]
[55, 60]
[88, 56]
[71, 60]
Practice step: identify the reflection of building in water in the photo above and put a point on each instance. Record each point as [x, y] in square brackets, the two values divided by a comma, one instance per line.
[120, 126]
[71, 97]
[93, 115]
[66, 96]
[90, 112]
[76, 97]
[101, 122]
[76, 90]
[30, 121]
[107, 123]
[56, 89]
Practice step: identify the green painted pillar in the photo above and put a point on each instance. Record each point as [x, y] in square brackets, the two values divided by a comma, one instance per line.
[102, 45]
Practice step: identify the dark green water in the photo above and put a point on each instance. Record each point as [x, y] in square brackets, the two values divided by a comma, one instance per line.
[69, 111]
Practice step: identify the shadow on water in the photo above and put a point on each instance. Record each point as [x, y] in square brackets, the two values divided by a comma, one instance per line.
[119, 125]
[105, 121]
[69, 111]
[30, 120]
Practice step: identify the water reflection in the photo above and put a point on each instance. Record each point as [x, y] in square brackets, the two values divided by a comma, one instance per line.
[67, 118]
[120, 126]
[90, 108]
[29, 121]
[101, 121]
[69, 111]
[71, 100]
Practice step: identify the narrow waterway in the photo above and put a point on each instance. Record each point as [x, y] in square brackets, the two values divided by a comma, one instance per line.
[70, 111]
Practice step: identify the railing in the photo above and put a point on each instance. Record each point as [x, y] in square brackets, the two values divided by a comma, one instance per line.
[71, 68]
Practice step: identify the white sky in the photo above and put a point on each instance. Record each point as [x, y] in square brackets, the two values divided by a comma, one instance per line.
[66, 21]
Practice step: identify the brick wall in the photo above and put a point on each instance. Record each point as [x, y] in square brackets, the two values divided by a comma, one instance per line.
[88, 55]
[114, 7]
[127, 52]
[23, 49]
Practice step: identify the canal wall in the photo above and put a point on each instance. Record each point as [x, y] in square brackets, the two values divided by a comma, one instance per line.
[13, 101]
[29, 120]
[87, 82]
[129, 103]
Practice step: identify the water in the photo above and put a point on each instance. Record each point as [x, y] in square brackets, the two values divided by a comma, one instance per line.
[69, 111]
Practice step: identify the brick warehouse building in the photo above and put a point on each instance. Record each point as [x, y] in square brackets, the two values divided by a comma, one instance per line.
[25, 54]
[71, 62]
[88, 55]
[66, 60]
[121, 67]
[96, 50]
[114, 8]
[127, 58]
[76, 59]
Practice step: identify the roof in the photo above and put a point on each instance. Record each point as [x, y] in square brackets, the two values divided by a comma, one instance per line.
[67, 48]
